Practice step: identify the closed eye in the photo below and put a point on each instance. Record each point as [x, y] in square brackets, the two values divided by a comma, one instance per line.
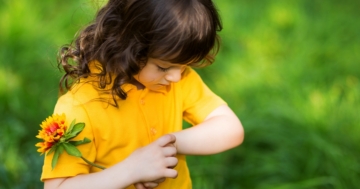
[163, 69]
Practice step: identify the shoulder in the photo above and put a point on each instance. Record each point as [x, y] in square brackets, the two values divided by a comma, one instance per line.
[78, 98]
[85, 91]
[198, 99]
[189, 73]
[70, 105]
[190, 76]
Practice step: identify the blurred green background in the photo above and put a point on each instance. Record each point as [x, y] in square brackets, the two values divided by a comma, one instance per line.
[289, 69]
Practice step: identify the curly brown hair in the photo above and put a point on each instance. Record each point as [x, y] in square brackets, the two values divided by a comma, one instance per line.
[125, 33]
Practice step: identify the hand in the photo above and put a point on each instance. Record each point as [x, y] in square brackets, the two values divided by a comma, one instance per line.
[152, 163]
[153, 184]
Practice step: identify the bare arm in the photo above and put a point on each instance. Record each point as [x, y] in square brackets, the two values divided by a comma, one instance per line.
[109, 178]
[220, 131]
[143, 165]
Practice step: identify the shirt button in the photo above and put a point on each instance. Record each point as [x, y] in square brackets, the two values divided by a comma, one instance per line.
[153, 131]
[142, 102]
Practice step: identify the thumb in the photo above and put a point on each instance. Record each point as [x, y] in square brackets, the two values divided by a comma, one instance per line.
[166, 139]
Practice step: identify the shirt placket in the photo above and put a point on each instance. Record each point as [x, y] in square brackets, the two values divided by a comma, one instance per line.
[144, 106]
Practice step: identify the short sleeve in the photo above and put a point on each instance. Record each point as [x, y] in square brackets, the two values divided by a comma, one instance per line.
[198, 100]
[69, 166]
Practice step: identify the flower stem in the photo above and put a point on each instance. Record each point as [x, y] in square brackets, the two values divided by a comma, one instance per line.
[92, 164]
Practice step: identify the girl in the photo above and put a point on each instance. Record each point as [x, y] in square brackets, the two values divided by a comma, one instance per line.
[132, 87]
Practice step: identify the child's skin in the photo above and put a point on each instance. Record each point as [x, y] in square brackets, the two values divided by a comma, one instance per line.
[150, 165]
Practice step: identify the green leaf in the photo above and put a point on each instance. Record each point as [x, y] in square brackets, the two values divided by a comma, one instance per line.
[52, 149]
[76, 143]
[55, 159]
[69, 136]
[71, 126]
[77, 128]
[71, 150]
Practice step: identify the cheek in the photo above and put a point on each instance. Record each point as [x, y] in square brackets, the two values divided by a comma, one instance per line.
[148, 77]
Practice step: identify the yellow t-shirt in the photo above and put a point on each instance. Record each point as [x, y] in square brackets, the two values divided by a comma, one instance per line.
[115, 132]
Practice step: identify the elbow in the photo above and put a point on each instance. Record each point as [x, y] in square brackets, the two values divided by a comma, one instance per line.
[236, 131]
[237, 137]
[241, 135]
[234, 135]
[233, 132]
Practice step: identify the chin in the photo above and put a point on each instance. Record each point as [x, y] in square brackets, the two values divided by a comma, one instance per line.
[157, 87]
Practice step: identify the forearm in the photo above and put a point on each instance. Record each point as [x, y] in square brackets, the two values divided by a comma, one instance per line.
[216, 134]
[110, 178]
[150, 163]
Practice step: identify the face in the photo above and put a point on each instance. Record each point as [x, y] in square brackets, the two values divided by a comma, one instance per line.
[157, 74]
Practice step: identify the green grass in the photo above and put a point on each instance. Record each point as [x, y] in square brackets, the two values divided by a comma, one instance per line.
[291, 72]
[289, 69]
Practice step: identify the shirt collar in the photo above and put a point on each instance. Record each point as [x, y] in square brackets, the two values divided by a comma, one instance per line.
[127, 87]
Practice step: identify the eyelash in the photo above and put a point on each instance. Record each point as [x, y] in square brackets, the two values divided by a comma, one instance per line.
[162, 69]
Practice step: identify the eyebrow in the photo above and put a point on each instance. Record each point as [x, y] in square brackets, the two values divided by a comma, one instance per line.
[168, 65]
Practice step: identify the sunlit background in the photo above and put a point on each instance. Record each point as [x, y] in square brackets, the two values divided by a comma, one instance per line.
[289, 69]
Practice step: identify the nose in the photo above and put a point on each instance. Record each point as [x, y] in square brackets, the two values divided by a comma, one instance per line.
[174, 75]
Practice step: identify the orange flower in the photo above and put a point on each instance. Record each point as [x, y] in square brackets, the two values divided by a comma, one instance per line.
[43, 146]
[53, 128]
[57, 135]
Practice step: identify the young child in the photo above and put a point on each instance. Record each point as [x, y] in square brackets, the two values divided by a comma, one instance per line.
[132, 84]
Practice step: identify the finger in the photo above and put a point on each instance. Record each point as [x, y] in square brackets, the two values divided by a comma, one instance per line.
[170, 145]
[166, 139]
[150, 184]
[169, 151]
[153, 184]
[160, 180]
[170, 173]
[171, 162]
[139, 186]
